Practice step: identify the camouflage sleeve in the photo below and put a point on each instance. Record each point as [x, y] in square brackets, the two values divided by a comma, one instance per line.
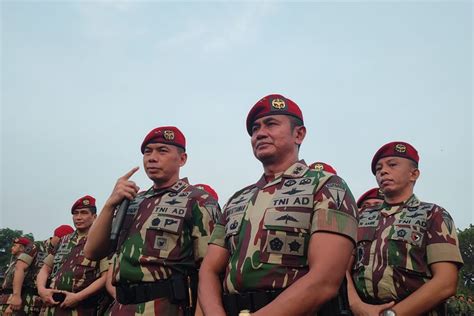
[442, 244]
[29, 255]
[218, 236]
[104, 265]
[204, 213]
[49, 260]
[335, 209]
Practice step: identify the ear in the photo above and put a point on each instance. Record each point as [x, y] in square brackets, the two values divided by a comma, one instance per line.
[300, 133]
[183, 157]
[414, 174]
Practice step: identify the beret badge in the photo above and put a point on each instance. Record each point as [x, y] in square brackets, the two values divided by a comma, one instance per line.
[168, 135]
[318, 167]
[278, 104]
[401, 148]
[85, 202]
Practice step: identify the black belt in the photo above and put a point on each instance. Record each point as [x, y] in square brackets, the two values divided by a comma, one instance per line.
[253, 301]
[137, 293]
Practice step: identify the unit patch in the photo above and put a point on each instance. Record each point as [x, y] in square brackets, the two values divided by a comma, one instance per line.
[337, 193]
[166, 223]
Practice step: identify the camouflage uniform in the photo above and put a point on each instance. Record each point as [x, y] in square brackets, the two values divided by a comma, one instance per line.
[396, 245]
[72, 272]
[7, 286]
[33, 257]
[165, 233]
[266, 227]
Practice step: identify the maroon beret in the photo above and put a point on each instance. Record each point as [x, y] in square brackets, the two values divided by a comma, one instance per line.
[22, 241]
[374, 193]
[321, 166]
[167, 135]
[208, 189]
[397, 149]
[273, 104]
[63, 230]
[85, 202]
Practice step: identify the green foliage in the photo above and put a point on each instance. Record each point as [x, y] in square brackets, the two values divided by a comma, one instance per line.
[7, 235]
[466, 275]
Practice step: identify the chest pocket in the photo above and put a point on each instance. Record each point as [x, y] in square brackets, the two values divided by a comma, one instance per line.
[285, 237]
[406, 242]
[235, 212]
[167, 225]
[368, 222]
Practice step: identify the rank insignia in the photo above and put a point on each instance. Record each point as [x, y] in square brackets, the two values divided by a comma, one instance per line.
[168, 135]
[278, 104]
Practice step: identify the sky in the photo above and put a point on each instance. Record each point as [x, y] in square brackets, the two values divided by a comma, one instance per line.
[83, 82]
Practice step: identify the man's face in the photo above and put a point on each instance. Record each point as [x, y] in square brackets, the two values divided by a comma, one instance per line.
[83, 219]
[162, 162]
[371, 203]
[17, 249]
[395, 175]
[273, 138]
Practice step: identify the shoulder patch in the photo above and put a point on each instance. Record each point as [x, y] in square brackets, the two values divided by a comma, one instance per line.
[337, 192]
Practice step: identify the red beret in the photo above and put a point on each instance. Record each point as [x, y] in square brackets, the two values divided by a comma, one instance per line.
[85, 202]
[398, 149]
[273, 104]
[321, 166]
[374, 193]
[63, 230]
[167, 135]
[208, 189]
[22, 241]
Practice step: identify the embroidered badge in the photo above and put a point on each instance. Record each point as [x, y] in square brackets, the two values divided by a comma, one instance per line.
[337, 193]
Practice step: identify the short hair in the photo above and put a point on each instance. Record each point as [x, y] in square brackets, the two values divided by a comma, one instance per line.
[295, 122]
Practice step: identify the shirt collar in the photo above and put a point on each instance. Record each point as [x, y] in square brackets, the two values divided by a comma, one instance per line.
[296, 170]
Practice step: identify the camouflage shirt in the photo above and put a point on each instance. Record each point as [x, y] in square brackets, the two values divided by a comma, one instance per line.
[34, 259]
[165, 231]
[396, 245]
[9, 273]
[266, 227]
[71, 270]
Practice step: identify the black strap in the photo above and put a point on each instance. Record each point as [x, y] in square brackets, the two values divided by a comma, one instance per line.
[142, 292]
[253, 301]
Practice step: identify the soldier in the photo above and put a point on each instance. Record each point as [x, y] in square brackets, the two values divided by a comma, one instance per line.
[164, 235]
[283, 242]
[19, 245]
[27, 267]
[407, 252]
[371, 198]
[76, 282]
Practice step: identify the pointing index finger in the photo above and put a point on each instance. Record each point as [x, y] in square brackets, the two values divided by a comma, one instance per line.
[130, 173]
